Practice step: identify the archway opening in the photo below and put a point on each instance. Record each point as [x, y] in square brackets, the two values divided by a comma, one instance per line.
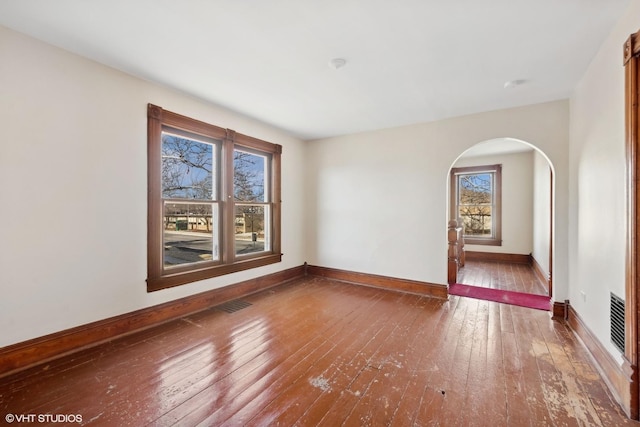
[501, 193]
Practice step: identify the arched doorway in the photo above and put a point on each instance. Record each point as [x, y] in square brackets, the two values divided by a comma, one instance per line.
[501, 191]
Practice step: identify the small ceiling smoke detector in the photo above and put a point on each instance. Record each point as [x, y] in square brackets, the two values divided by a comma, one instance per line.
[337, 63]
[513, 83]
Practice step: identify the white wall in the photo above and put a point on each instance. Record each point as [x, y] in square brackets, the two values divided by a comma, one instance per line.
[73, 160]
[379, 199]
[517, 201]
[541, 210]
[597, 182]
[73, 192]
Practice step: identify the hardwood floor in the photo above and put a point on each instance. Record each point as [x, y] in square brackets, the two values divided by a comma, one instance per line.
[502, 275]
[317, 352]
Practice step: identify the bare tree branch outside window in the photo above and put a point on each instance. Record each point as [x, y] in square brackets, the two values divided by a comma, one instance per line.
[188, 175]
[475, 203]
[213, 200]
[249, 194]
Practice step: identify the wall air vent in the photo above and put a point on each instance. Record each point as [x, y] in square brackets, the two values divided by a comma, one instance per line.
[617, 321]
[233, 306]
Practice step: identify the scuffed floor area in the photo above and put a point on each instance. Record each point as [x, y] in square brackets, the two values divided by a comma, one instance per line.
[320, 352]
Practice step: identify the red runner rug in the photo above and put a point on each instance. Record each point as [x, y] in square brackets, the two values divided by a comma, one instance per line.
[539, 302]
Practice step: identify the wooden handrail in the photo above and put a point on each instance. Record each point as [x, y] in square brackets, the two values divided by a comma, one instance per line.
[455, 253]
[461, 253]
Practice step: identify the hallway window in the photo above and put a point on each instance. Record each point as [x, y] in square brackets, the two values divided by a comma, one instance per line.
[476, 201]
[213, 200]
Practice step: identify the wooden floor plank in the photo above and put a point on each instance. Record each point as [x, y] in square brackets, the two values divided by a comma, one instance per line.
[519, 412]
[364, 366]
[436, 391]
[322, 352]
[457, 377]
[545, 398]
[503, 276]
[485, 367]
[422, 363]
[286, 361]
[378, 404]
[287, 402]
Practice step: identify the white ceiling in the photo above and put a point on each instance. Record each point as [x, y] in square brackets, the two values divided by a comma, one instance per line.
[408, 61]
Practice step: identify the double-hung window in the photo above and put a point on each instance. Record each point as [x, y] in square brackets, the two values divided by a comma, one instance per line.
[476, 202]
[213, 200]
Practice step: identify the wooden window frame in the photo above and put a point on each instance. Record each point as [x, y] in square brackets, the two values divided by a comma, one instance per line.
[160, 277]
[496, 170]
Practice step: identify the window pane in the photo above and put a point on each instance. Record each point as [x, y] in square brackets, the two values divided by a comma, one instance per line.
[475, 193]
[251, 228]
[249, 177]
[190, 233]
[187, 168]
[475, 189]
[476, 220]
